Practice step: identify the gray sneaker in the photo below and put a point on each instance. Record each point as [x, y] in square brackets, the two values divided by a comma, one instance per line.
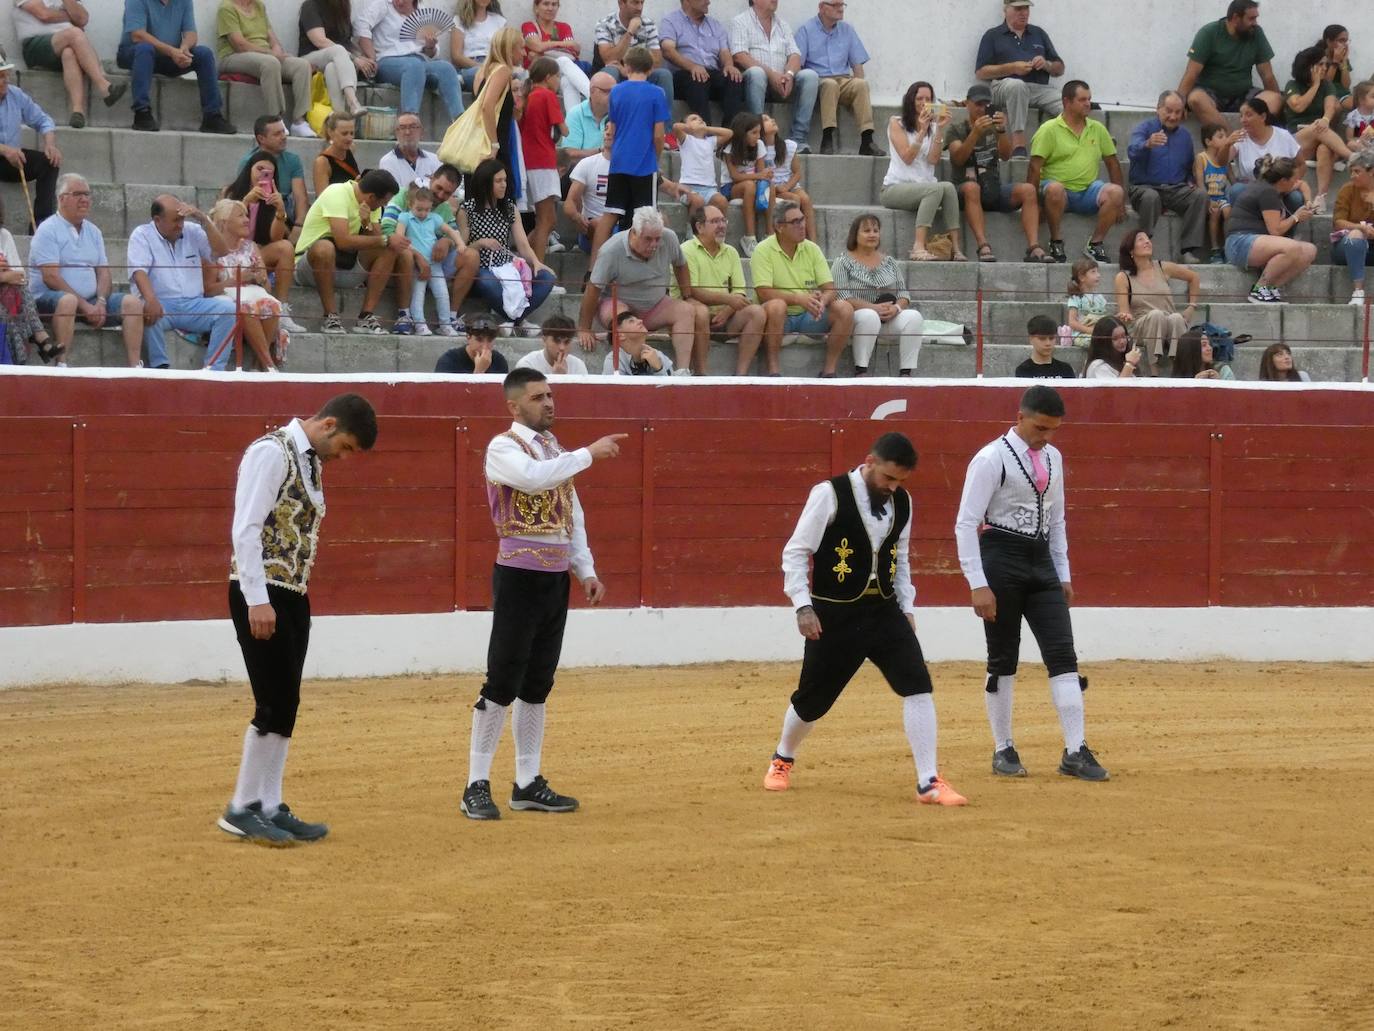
[477, 803]
[288, 323]
[1006, 763]
[538, 795]
[1083, 765]
[333, 325]
[250, 825]
[369, 323]
[288, 821]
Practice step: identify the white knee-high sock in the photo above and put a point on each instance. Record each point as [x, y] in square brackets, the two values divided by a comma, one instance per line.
[999, 712]
[256, 753]
[487, 720]
[527, 727]
[272, 775]
[918, 719]
[794, 731]
[1068, 699]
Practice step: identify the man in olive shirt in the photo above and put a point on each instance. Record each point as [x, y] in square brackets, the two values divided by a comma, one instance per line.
[1219, 77]
[790, 268]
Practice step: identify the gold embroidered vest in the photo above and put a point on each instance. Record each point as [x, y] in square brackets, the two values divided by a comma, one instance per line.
[291, 531]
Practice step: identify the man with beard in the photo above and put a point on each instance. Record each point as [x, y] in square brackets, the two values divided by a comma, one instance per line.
[1219, 77]
[860, 604]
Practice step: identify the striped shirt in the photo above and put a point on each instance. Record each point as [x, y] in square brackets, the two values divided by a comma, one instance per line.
[770, 49]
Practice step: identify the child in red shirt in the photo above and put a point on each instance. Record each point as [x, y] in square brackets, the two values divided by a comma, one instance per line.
[541, 126]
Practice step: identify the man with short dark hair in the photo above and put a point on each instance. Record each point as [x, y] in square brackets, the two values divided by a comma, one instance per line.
[623, 30]
[1019, 60]
[1014, 553]
[478, 355]
[1225, 54]
[854, 538]
[699, 46]
[270, 136]
[341, 233]
[1163, 178]
[159, 37]
[831, 48]
[542, 535]
[278, 508]
[637, 356]
[1066, 153]
[553, 359]
[1043, 332]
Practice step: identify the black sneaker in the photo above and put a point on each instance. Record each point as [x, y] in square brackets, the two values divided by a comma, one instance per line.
[295, 826]
[540, 796]
[117, 90]
[218, 124]
[1094, 249]
[251, 825]
[1006, 763]
[827, 141]
[1082, 764]
[1057, 252]
[477, 803]
[144, 121]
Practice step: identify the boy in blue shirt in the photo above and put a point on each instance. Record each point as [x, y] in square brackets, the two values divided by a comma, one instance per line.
[639, 111]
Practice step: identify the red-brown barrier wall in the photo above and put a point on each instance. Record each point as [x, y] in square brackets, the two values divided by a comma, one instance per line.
[126, 517]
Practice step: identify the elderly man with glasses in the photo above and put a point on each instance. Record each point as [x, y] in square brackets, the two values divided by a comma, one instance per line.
[831, 48]
[790, 268]
[408, 161]
[720, 298]
[69, 273]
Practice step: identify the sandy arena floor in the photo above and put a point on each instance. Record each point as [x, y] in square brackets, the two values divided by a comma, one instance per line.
[1222, 879]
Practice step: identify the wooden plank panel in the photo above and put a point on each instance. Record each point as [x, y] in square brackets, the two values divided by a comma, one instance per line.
[1301, 441]
[674, 437]
[137, 567]
[37, 436]
[207, 599]
[1263, 525]
[376, 597]
[35, 570]
[1264, 589]
[154, 528]
[1309, 473]
[36, 530]
[1299, 558]
[709, 523]
[119, 471]
[36, 473]
[32, 606]
[143, 435]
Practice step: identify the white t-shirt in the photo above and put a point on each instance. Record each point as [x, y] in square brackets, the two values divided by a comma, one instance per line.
[1098, 369]
[26, 26]
[539, 360]
[426, 164]
[781, 173]
[477, 38]
[593, 172]
[698, 161]
[379, 21]
[1282, 145]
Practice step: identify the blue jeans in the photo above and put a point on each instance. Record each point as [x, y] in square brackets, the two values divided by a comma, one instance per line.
[413, 73]
[807, 324]
[804, 90]
[467, 75]
[142, 60]
[488, 288]
[660, 77]
[1353, 252]
[1080, 202]
[438, 286]
[212, 315]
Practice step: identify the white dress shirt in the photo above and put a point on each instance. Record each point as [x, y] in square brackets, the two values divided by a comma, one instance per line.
[818, 513]
[507, 463]
[261, 473]
[988, 492]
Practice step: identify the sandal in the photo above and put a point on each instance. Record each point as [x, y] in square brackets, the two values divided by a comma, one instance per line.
[49, 350]
[921, 254]
[1037, 254]
[986, 253]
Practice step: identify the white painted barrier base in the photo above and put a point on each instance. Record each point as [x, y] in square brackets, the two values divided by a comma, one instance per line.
[375, 646]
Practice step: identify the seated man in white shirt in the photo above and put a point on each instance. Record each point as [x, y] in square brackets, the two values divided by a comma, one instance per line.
[408, 161]
[586, 200]
[637, 357]
[553, 358]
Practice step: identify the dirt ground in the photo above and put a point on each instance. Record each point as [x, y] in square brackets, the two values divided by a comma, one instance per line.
[1221, 879]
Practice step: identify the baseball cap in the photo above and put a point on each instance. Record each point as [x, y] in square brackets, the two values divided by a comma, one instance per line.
[1017, 3]
[6, 65]
[980, 91]
[483, 324]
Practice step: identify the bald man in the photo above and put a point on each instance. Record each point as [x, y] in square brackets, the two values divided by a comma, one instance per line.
[587, 122]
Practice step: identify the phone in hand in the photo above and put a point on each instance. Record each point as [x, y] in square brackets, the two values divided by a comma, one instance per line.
[267, 185]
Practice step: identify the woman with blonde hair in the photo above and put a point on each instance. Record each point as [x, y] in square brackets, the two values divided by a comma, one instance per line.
[492, 89]
[261, 311]
[478, 23]
[335, 162]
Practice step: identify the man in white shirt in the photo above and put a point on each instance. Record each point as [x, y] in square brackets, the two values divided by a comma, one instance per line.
[1018, 565]
[166, 258]
[854, 534]
[586, 200]
[542, 535]
[766, 50]
[278, 507]
[553, 358]
[408, 161]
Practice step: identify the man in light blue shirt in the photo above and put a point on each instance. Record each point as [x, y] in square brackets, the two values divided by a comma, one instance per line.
[69, 273]
[698, 47]
[832, 49]
[166, 257]
[38, 168]
[587, 121]
[160, 36]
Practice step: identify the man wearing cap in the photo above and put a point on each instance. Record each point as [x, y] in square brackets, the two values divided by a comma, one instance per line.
[1019, 59]
[977, 147]
[39, 168]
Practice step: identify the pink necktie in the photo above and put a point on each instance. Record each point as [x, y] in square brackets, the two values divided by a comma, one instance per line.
[1042, 472]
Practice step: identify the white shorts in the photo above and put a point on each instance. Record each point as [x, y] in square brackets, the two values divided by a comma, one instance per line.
[543, 183]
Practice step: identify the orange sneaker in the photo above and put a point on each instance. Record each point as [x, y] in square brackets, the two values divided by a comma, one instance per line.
[940, 793]
[779, 775]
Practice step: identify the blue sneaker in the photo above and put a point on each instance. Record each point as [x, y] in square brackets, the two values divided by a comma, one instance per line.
[250, 824]
[405, 325]
[288, 821]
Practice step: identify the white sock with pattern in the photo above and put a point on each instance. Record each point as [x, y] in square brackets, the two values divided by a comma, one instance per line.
[794, 731]
[999, 712]
[918, 719]
[272, 775]
[1068, 699]
[256, 753]
[487, 720]
[527, 727]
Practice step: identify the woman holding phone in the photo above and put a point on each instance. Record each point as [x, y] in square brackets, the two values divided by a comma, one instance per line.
[256, 187]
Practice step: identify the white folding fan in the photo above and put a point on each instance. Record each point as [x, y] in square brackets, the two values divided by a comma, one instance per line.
[423, 18]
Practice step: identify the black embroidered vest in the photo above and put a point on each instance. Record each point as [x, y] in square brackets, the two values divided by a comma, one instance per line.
[844, 561]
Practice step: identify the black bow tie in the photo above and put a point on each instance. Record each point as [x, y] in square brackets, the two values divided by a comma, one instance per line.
[312, 457]
[879, 507]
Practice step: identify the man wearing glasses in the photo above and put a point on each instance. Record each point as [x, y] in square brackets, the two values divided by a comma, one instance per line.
[790, 268]
[832, 49]
[408, 161]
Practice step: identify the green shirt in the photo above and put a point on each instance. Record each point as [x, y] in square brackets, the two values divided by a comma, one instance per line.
[1070, 159]
[806, 270]
[337, 201]
[253, 27]
[1228, 62]
[723, 272]
[1316, 109]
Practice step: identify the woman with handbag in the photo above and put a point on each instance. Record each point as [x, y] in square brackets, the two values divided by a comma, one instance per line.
[326, 43]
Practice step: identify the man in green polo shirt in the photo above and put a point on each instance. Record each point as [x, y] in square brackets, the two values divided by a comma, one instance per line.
[1222, 61]
[1065, 154]
[790, 268]
[721, 300]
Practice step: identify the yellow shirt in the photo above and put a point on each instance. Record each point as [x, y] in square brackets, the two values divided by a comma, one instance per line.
[806, 270]
[723, 272]
[1071, 160]
[337, 201]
